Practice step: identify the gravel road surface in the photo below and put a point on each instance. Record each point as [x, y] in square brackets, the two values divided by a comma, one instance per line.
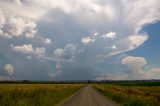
[88, 96]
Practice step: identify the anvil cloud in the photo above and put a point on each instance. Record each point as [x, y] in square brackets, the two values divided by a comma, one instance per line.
[75, 39]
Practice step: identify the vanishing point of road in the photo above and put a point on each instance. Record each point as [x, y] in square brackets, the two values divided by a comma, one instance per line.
[88, 96]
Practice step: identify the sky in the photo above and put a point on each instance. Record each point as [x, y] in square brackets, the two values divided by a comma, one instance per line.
[79, 39]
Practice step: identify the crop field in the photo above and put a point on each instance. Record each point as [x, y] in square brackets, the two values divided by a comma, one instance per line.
[131, 95]
[35, 94]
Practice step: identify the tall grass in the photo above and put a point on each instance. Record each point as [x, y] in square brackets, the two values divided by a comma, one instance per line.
[131, 95]
[35, 95]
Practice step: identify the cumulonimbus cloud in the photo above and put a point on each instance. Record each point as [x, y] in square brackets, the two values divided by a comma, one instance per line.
[136, 68]
[135, 62]
[99, 28]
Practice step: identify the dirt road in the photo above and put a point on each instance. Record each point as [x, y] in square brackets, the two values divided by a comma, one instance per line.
[88, 96]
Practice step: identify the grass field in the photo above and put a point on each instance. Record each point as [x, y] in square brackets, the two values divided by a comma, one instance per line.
[35, 94]
[134, 95]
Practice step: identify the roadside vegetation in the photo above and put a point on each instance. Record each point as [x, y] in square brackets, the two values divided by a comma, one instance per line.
[35, 94]
[132, 94]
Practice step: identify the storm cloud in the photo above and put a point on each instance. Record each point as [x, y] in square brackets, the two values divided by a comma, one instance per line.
[74, 39]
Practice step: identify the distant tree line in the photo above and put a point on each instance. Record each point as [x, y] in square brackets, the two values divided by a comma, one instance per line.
[116, 82]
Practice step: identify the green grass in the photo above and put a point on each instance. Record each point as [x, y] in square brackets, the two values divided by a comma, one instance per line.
[35, 94]
[131, 95]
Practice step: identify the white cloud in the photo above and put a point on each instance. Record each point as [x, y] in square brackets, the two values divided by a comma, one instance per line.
[137, 21]
[129, 43]
[137, 40]
[58, 53]
[132, 74]
[22, 9]
[2, 19]
[47, 41]
[114, 47]
[68, 53]
[96, 34]
[28, 49]
[110, 11]
[15, 26]
[154, 72]
[136, 68]
[62, 55]
[9, 68]
[87, 40]
[17, 1]
[40, 52]
[30, 29]
[134, 62]
[110, 35]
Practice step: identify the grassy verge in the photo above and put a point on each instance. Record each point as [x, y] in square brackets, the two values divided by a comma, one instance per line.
[131, 95]
[35, 94]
